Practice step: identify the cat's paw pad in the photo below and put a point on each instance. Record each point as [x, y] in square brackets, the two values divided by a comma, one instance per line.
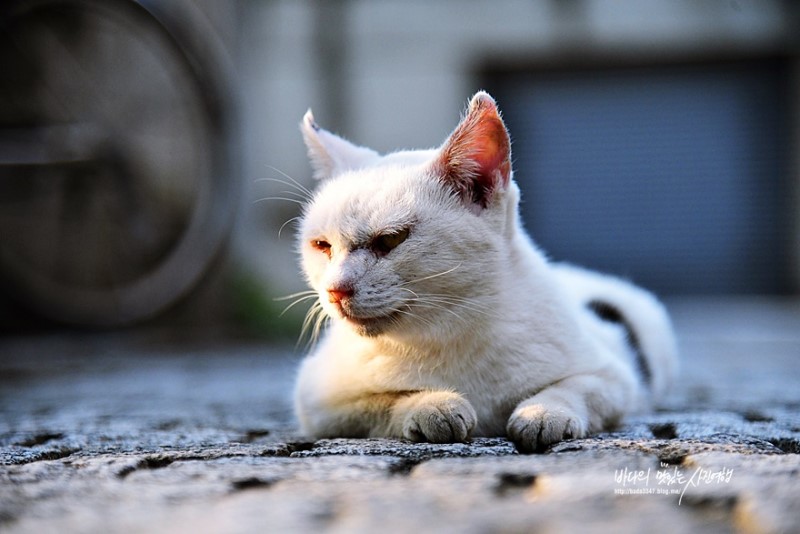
[440, 417]
[534, 427]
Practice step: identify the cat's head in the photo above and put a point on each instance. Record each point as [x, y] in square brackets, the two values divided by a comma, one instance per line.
[408, 243]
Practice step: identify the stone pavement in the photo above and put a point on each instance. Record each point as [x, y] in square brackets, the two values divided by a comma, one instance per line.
[116, 433]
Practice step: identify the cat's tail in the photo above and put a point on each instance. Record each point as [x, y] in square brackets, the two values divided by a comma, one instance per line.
[646, 323]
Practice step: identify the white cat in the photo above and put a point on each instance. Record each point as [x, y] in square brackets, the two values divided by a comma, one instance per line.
[446, 320]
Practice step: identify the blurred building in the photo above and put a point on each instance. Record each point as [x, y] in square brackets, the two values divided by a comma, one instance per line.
[654, 139]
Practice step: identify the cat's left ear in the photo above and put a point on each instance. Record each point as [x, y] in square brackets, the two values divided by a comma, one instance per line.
[330, 154]
[476, 158]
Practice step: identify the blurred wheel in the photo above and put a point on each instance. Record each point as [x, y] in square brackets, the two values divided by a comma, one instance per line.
[114, 187]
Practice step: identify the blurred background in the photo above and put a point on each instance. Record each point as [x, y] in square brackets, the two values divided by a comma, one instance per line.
[141, 142]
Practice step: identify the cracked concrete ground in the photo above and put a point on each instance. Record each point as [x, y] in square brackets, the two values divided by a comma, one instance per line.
[112, 433]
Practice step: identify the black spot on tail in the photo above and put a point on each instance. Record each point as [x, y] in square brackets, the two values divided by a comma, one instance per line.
[612, 314]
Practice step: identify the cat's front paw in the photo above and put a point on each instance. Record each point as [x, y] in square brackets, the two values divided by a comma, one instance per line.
[534, 427]
[439, 417]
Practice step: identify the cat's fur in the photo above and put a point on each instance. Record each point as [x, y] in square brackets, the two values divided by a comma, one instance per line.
[447, 321]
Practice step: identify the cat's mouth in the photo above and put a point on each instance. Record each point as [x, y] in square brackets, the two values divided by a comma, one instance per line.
[369, 326]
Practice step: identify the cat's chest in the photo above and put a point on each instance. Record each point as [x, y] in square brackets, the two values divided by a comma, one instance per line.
[491, 384]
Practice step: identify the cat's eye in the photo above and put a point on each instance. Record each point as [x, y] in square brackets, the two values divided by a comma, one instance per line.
[322, 246]
[385, 243]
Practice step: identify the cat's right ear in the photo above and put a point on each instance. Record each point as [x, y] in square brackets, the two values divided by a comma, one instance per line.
[330, 154]
[476, 159]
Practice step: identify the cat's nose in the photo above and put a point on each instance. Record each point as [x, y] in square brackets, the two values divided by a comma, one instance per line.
[337, 294]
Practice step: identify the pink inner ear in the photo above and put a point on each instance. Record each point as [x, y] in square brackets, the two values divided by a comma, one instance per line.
[477, 156]
[492, 149]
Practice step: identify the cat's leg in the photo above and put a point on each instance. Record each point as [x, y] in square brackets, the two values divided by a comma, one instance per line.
[571, 408]
[435, 416]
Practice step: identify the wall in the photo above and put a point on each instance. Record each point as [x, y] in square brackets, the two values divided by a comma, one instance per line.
[396, 74]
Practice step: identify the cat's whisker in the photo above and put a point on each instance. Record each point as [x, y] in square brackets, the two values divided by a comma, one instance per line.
[260, 200]
[427, 304]
[295, 193]
[299, 194]
[455, 299]
[287, 223]
[315, 316]
[321, 319]
[304, 195]
[297, 189]
[448, 271]
[433, 305]
[298, 294]
[294, 182]
[308, 318]
[449, 300]
[413, 315]
[296, 302]
[412, 292]
[311, 316]
[445, 302]
[463, 304]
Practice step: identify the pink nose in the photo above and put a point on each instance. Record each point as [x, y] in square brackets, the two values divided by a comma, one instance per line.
[337, 294]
